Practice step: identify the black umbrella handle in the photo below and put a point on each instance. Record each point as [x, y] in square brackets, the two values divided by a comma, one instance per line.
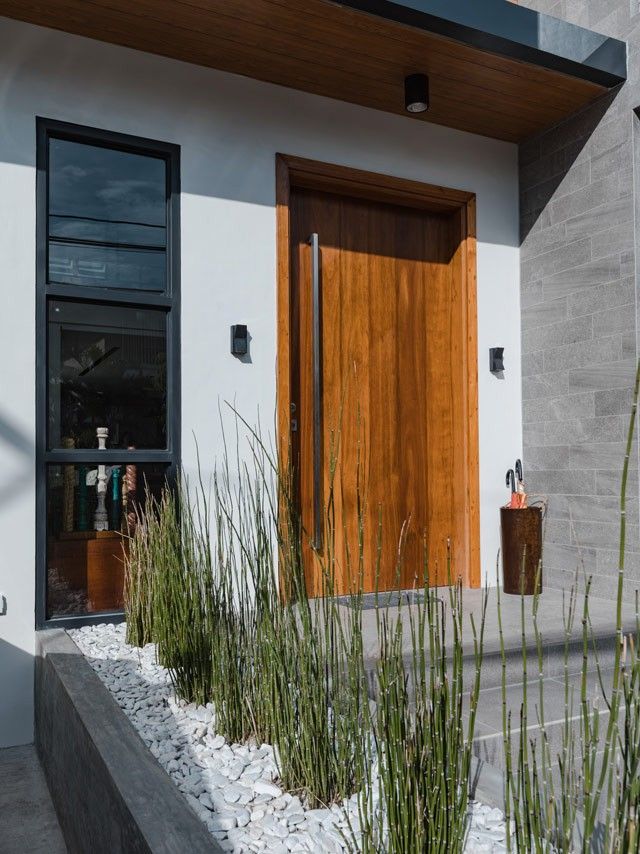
[511, 480]
[519, 469]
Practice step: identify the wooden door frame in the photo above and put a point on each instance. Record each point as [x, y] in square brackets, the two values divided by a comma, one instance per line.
[299, 173]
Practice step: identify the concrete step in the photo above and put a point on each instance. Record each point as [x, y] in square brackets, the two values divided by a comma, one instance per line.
[560, 700]
[552, 617]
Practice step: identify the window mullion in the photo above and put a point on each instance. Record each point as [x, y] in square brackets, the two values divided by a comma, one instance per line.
[109, 455]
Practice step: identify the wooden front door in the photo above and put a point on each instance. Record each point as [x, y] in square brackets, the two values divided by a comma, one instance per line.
[379, 389]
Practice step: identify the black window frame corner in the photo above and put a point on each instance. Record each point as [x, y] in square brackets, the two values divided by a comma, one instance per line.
[168, 300]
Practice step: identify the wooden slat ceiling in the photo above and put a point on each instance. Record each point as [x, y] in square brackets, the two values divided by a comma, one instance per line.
[330, 50]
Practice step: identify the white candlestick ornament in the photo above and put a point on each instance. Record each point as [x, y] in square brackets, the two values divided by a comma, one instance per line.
[101, 518]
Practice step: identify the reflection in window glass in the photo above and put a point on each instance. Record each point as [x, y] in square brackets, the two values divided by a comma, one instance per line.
[91, 511]
[107, 217]
[106, 265]
[106, 368]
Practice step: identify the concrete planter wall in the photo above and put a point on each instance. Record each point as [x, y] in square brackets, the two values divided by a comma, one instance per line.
[109, 792]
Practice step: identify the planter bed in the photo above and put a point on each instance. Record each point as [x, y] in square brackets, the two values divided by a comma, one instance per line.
[231, 788]
[110, 795]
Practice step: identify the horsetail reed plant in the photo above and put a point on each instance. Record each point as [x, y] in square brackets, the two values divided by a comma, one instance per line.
[417, 792]
[321, 713]
[297, 676]
[320, 704]
[548, 809]
[138, 580]
[229, 611]
[596, 795]
[246, 599]
[526, 814]
[234, 626]
[627, 799]
[506, 719]
[185, 617]
[547, 804]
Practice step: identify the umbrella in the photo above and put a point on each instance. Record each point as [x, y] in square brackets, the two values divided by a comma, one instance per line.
[514, 480]
[519, 470]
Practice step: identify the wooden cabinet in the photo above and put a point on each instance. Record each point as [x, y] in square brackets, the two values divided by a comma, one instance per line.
[92, 561]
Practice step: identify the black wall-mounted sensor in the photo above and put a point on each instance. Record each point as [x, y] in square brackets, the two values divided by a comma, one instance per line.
[496, 359]
[239, 340]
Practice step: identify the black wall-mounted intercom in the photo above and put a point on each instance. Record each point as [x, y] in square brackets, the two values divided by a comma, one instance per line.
[239, 340]
[496, 359]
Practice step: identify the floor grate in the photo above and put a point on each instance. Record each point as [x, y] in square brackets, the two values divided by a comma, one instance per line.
[387, 599]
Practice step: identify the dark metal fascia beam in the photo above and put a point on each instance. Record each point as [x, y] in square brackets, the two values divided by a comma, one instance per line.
[509, 30]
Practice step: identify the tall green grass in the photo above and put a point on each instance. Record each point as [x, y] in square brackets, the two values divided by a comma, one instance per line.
[215, 578]
[139, 562]
[586, 794]
[418, 788]
[185, 617]
[626, 831]
[227, 606]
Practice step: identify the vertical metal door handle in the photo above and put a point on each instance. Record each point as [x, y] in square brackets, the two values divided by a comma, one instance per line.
[318, 526]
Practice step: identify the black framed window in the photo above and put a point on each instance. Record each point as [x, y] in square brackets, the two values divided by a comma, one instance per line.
[108, 374]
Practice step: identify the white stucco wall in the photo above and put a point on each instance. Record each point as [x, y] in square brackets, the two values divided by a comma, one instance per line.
[229, 129]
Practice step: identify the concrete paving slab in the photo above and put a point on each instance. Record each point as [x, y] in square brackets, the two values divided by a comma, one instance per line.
[28, 822]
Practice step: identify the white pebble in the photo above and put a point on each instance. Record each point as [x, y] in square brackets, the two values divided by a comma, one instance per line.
[263, 787]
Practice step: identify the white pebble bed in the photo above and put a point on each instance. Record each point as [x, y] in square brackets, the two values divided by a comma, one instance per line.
[231, 787]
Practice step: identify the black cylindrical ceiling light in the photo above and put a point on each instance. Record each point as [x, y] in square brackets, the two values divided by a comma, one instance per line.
[416, 93]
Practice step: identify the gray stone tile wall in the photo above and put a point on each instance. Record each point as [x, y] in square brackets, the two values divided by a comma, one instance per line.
[579, 292]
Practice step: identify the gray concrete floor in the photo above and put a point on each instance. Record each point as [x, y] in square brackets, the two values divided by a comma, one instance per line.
[28, 822]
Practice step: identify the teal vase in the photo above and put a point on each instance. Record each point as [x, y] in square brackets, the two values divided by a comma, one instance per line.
[116, 499]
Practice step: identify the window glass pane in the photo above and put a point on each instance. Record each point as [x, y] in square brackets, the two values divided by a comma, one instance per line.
[85, 568]
[107, 217]
[107, 367]
[106, 266]
[105, 232]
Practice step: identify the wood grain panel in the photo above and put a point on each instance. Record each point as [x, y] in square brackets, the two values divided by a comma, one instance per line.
[329, 50]
[469, 326]
[394, 401]
[331, 178]
[93, 563]
[289, 38]
[457, 210]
